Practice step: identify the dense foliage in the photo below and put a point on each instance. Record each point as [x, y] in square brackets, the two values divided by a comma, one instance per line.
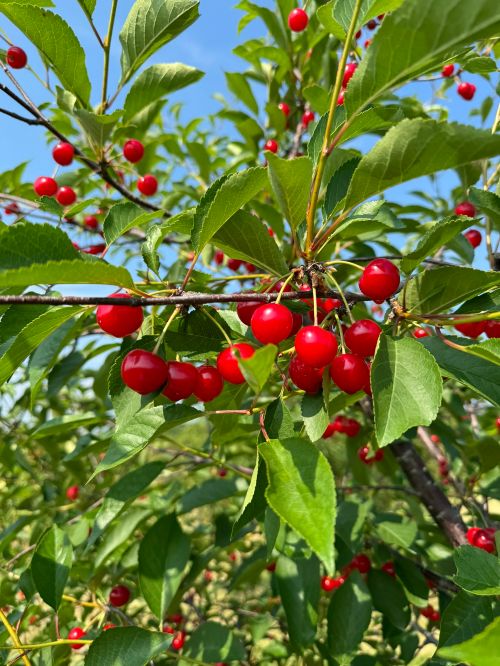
[282, 445]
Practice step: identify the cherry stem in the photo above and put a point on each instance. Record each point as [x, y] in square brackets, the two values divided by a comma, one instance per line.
[342, 296]
[283, 287]
[14, 637]
[315, 306]
[221, 328]
[341, 332]
[165, 329]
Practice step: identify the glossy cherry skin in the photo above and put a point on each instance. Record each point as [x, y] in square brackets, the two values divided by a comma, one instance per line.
[362, 563]
[147, 185]
[272, 323]
[209, 383]
[350, 373]
[178, 641]
[76, 632]
[16, 57]
[315, 346]
[181, 380]
[298, 20]
[133, 151]
[304, 376]
[284, 108]
[465, 208]
[350, 68]
[362, 337]
[297, 323]
[472, 330]
[119, 596]
[271, 146]
[466, 90]
[388, 567]
[66, 196]
[144, 372]
[492, 329]
[328, 583]
[380, 280]
[448, 70]
[245, 311]
[474, 237]
[420, 333]
[307, 117]
[482, 538]
[72, 493]
[63, 153]
[45, 186]
[227, 362]
[119, 320]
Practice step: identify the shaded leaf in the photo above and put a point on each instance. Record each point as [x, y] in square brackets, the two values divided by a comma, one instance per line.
[51, 564]
[127, 646]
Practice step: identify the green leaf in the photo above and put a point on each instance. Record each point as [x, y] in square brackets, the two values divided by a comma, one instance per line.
[196, 333]
[298, 586]
[315, 415]
[481, 650]
[222, 200]
[480, 65]
[407, 388]
[439, 290]
[163, 556]
[155, 83]
[478, 572]
[98, 127]
[416, 38]
[389, 598]
[212, 642]
[127, 646]
[349, 615]
[245, 237]
[301, 492]
[291, 183]
[489, 350]
[51, 564]
[438, 235]
[465, 616]
[397, 534]
[417, 147]
[57, 42]
[125, 216]
[181, 223]
[119, 533]
[210, 491]
[239, 86]
[339, 184]
[150, 25]
[487, 202]
[25, 243]
[88, 6]
[317, 97]
[63, 424]
[257, 369]
[31, 336]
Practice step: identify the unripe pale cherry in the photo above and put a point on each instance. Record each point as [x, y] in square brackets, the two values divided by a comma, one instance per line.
[474, 237]
[144, 372]
[298, 20]
[72, 493]
[181, 380]
[45, 186]
[350, 373]
[147, 185]
[362, 337]
[380, 279]
[66, 196]
[448, 70]
[119, 596]
[315, 346]
[133, 151]
[75, 633]
[227, 362]
[245, 310]
[466, 90]
[63, 153]
[304, 376]
[271, 145]
[284, 108]
[465, 208]
[119, 320]
[272, 323]
[16, 57]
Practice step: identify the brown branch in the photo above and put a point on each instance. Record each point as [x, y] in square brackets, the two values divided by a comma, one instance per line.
[16, 116]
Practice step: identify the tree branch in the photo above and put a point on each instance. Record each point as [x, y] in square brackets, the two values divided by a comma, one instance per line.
[16, 116]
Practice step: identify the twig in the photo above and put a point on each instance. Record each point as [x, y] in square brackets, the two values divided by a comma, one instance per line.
[16, 116]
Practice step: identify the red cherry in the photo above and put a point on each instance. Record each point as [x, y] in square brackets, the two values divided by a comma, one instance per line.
[119, 320]
[349, 427]
[271, 567]
[498, 423]
[350, 68]
[227, 362]
[250, 267]
[328, 583]
[181, 380]
[66, 196]
[222, 473]
[420, 333]
[380, 280]
[245, 311]
[427, 611]
[473, 330]
[358, 34]
[435, 616]
[367, 43]
[340, 99]
[474, 237]
[307, 117]
[330, 304]
[331, 428]
[315, 346]
[119, 595]
[219, 257]
[168, 630]
[371, 25]
[209, 383]
[304, 376]
[364, 455]
[144, 372]
[448, 70]
[362, 337]
[485, 541]
[72, 493]
[466, 90]
[272, 323]
[362, 563]
[147, 185]
[96, 249]
[271, 146]
[91, 222]
[388, 567]
[108, 626]
[45, 186]
[297, 323]
[465, 208]
[63, 153]
[12, 209]
[76, 632]
[16, 57]
[176, 618]
[234, 264]
[133, 151]
[435, 438]
[298, 20]
[350, 373]
[178, 641]
[492, 329]
[284, 108]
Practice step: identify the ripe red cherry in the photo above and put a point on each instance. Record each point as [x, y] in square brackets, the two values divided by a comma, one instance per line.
[380, 280]
[272, 323]
[63, 153]
[340, 99]
[271, 567]
[362, 337]
[219, 257]
[298, 20]
[465, 208]
[498, 423]
[245, 311]
[297, 323]
[448, 70]
[388, 567]
[473, 330]
[482, 538]
[492, 329]
[222, 473]
[307, 117]
[66, 196]
[144, 372]
[178, 641]
[271, 146]
[350, 373]
[91, 222]
[133, 151]
[371, 25]
[119, 320]
[474, 237]
[76, 632]
[284, 108]
[119, 595]
[234, 264]
[16, 57]
[315, 346]
[209, 383]
[420, 333]
[367, 459]
[72, 493]
[430, 613]
[176, 618]
[304, 376]
[328, 583]
[227, 362]
[466, 90]
[331, 428]
[147, 185]
[96, 249]
[349, 427]
[361, 562]
[45, 186]
[350, 68]
[181, 380]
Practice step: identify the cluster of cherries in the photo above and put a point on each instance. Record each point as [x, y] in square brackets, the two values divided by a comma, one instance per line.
[351, 428]
[467, 209]
[359, 563]
[464, 89]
